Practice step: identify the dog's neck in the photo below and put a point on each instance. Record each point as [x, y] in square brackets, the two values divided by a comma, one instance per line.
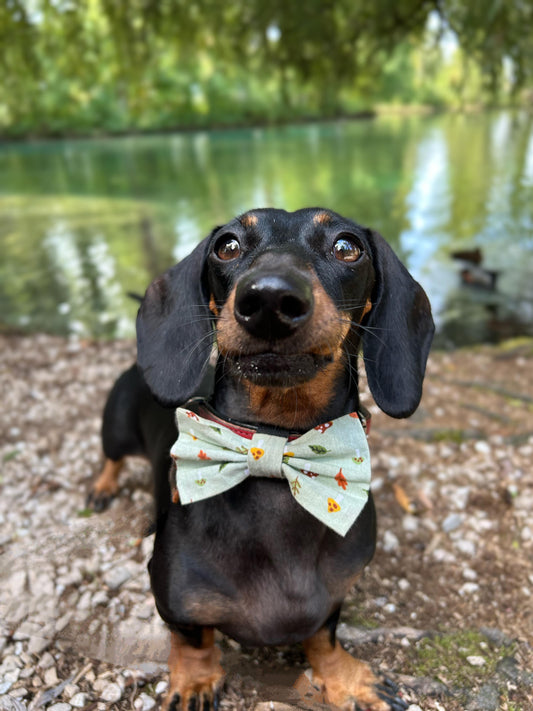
[330, 394]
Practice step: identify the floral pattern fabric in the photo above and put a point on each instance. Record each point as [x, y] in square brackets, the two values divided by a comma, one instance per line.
[327, 468]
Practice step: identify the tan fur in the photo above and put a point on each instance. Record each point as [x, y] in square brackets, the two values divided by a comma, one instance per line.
[249, 220]
[343, 679]
[322, 218]
[107, 481]
[193, 671]
[213, 305]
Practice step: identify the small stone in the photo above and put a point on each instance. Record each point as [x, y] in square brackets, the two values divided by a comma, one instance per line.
[404, 584]
[452, 522]
[390, 542]
[50, 677]
[144, 702]
[115, 577]
[20, 692]
[46, 661]
[79, 700]
[486, 699]
[62, 622]
[468, 588]
[111, 692]
[466, 547]
[410, 523]
[10, 703]
[70, 690]
[482, 447]
[476, 661]
[37, 645]
[161, 687]
[99, 598]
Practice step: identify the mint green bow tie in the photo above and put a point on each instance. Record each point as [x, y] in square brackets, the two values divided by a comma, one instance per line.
[327, 468]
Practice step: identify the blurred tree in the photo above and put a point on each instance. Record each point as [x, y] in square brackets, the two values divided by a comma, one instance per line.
[162, 63]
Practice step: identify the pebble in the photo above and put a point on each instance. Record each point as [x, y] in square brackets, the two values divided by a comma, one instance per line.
[61, 706]
[452, 522]
[390, 542]
[111, 692]
[50, 676]
[468, 588]
[99, 598]
[79, 700]
[161, 687]
[144, 702]
[476, 661]
[115, 577]
[37, 645]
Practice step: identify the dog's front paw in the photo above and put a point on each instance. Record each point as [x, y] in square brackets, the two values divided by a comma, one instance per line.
[196, 677]
[105, 488]
[203, 701]
[349, 684]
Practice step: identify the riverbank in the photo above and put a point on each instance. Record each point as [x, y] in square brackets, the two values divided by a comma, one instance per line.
[371, 112]
[445, 608]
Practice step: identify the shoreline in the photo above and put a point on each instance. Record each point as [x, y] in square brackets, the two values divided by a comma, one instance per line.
[371, 113]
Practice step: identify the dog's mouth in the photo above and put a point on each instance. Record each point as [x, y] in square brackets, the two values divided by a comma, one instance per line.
[279, 369]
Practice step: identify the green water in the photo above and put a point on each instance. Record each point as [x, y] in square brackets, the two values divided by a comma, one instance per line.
[84, 222]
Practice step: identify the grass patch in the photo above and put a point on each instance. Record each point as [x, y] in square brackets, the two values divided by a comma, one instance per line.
[445, 658]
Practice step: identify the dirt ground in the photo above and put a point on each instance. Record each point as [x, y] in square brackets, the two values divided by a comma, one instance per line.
[445, 608]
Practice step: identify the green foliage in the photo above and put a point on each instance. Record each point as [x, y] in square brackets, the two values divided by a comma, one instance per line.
[445, 657]
[156, 64]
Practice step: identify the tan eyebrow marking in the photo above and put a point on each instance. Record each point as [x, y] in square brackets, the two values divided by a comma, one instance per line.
[249, 220]
[321, 218]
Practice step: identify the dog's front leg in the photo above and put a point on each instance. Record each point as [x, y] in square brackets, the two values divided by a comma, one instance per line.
[195, 671]
[347, 683]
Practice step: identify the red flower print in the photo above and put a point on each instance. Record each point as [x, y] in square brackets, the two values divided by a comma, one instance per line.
[203, 455]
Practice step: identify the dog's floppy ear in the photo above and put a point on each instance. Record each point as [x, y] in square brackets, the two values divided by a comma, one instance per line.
[173, 330]
[399, 335]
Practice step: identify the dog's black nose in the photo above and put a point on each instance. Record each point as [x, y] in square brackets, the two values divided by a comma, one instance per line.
[273, 306]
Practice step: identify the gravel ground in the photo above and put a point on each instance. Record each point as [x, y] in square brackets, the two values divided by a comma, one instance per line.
[445, 608]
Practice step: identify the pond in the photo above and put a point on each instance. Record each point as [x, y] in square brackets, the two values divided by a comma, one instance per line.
[85, 222]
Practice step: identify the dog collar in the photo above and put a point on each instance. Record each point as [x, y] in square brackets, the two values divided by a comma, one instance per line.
[327, 468]
[202, 408]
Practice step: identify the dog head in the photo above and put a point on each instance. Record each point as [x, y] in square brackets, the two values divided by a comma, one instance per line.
[287, 297]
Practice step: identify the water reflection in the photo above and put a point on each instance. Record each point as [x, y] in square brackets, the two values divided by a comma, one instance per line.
[84, 222]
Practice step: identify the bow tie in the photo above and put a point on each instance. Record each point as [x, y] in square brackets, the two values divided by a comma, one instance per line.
[327, 468]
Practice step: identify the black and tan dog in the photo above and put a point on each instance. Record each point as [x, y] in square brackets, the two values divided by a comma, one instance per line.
[288, 299]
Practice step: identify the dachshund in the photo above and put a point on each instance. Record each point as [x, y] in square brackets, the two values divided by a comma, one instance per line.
[265, 319]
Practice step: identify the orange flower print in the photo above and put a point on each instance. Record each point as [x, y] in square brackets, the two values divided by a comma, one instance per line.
[203, 455]
[257, 452]
[322, 428]
[341, 479]
[192, 415]
[333, 506]
[354, 415]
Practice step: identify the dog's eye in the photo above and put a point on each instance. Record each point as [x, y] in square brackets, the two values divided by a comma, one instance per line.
[346, 249]
[227, 247]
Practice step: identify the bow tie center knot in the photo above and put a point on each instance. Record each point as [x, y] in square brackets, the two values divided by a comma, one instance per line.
[265, 455]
